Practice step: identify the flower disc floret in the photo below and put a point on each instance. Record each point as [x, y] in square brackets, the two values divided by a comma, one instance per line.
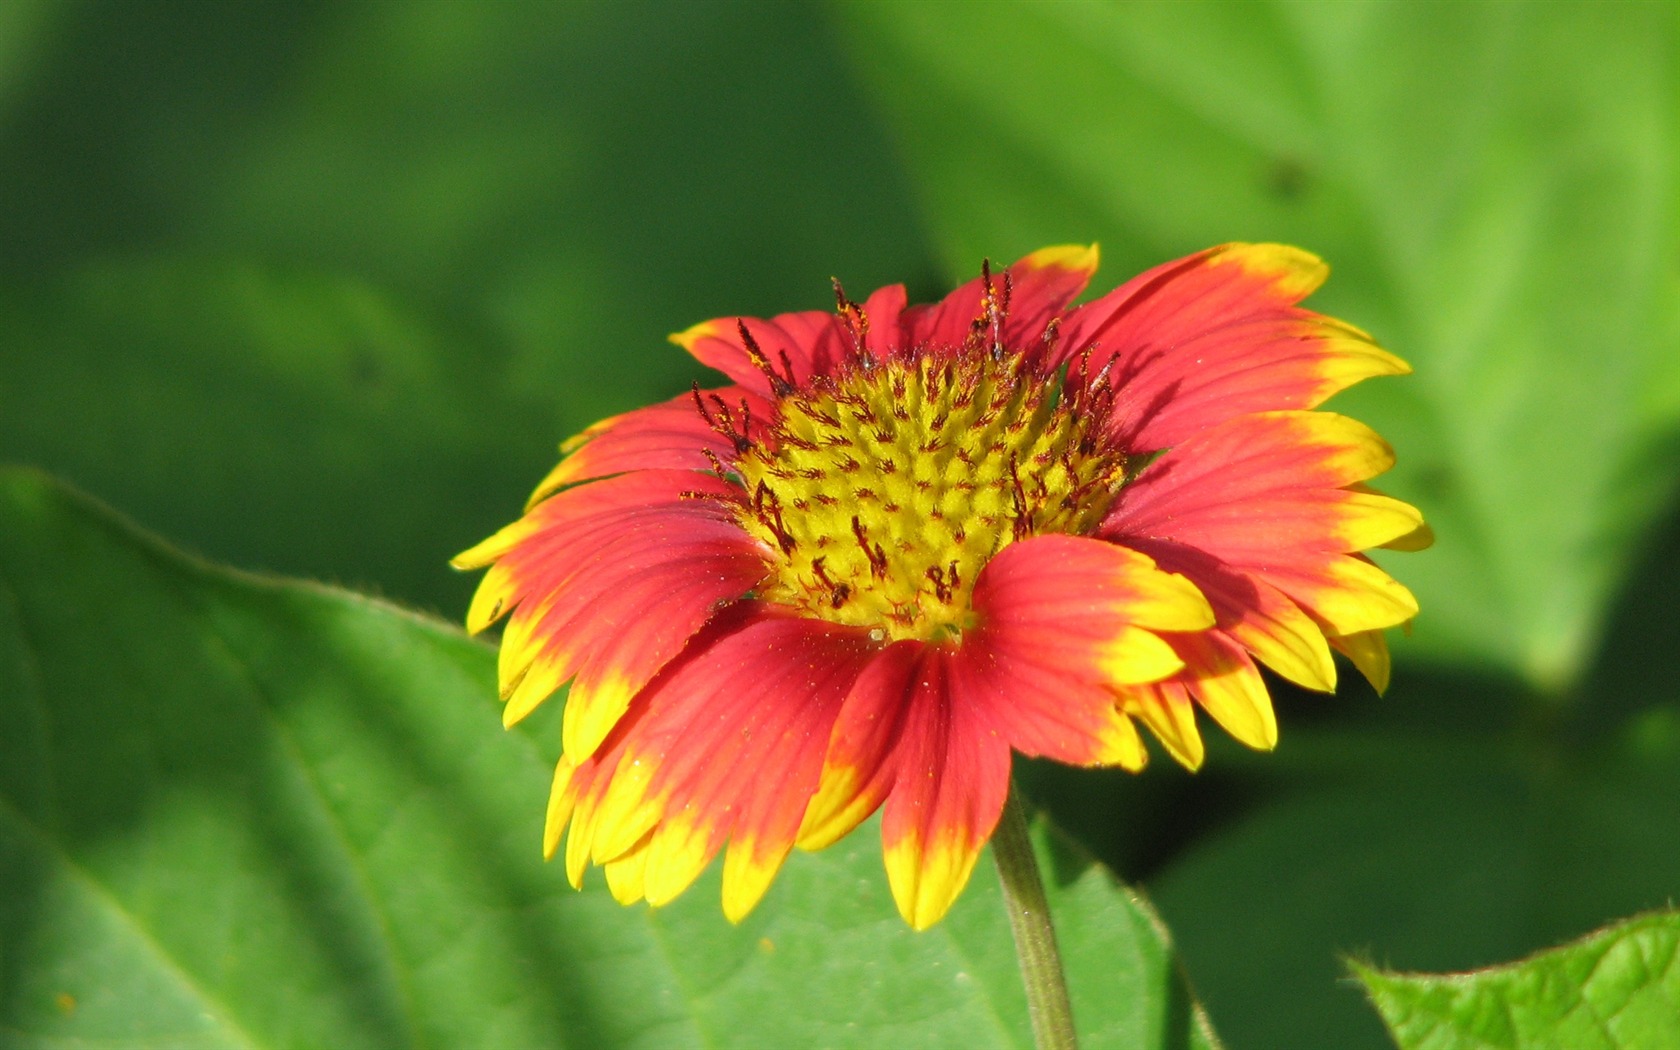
[883, 492]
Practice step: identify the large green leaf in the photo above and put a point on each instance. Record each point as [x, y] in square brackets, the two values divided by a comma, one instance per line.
[242, 812]
[305, 423]
[1619, 988]
[1497, 186]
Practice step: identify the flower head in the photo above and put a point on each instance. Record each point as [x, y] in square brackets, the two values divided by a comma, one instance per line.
[908, 541]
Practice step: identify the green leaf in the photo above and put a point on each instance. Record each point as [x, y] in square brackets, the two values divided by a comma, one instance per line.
[1419, 851]
[308, 424]
[1498, 188]
[1617, 988]
[242, 812]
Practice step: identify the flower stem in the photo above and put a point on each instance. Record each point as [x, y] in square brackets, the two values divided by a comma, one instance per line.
[1035, 937]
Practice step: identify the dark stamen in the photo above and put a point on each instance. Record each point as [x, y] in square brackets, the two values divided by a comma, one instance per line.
[1022, 524]
[700, 403]
[857, 324]
[717, 464]
[721, 423]
[781, 386]
[746, 419]
[877, 556]
[821, 573]
[988, 304]
[1052, 332]
[767, 508]
[1000, 311]
[941, 589]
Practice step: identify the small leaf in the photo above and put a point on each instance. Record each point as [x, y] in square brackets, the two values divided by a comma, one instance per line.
[1617, 988]
[1425, 851]
[236, 812]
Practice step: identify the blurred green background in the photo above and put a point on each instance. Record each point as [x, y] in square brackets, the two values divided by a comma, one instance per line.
[316, 288]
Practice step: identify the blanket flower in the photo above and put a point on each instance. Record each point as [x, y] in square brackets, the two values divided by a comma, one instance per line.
[907, 541]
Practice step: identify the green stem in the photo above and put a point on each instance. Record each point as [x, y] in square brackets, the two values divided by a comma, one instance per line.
[1035, 937]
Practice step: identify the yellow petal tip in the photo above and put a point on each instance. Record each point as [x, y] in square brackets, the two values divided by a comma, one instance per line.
[1294, 271]
[1074, 257]
[693, 334]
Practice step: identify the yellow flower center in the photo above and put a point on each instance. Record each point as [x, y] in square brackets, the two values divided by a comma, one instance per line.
[884, 491]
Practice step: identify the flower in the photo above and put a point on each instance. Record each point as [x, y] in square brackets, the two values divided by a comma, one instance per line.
[908, 541]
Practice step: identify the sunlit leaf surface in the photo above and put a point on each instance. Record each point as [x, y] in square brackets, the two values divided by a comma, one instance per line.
[238, 812]
[1616, 990]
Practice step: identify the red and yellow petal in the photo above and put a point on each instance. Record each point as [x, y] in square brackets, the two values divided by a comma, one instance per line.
[1368, 650]
[634, 630]
[672, 435]
[860, 767]
[576, 515]
[1043, 709]
[1266, 514]
[912, 736]
[1168, 710]
[953, 779]
[1347, 593]
[1220, 678]
[1055, 586]
[1064, 620]
[725, 746]
[791, 347]
[1258, 479]
[607, 581]
[1276, 498]
[614, 623]
[1227, 685]
[1263, 620]
[1040, 287]
[1217, 335]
